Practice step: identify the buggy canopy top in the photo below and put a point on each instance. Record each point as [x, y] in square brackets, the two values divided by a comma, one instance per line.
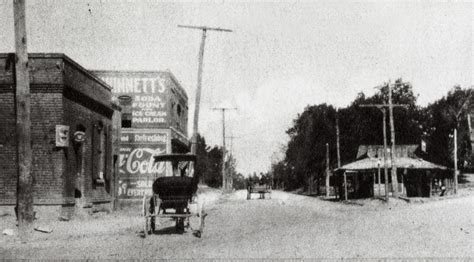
[175, 157]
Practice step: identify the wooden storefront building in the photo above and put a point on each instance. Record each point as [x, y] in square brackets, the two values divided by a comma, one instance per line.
[365, 176]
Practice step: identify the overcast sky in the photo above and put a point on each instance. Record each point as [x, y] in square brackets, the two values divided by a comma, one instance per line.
[281, 56]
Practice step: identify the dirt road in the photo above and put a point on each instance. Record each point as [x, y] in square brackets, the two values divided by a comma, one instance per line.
[287, 226]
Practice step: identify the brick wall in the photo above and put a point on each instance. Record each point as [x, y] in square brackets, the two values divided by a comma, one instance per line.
[62, 93]
[47, 164]
[7, 145]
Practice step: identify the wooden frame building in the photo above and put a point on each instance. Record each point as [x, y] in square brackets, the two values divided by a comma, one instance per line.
[364, 177]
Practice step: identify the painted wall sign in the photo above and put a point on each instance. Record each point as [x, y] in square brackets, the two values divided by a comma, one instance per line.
[149, 95]
[137, 168]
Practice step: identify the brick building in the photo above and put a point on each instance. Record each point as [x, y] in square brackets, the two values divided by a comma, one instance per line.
[154, 121]
[72, 133]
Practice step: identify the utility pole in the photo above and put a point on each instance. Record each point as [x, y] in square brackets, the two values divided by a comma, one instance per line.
[456, 172]
[393, 166]
[199, 80]
[232, 142]
[455, 161]
[328, 174]
[24, 199]
[392, 138]
[231, 181]
[385, 169]
[337, 140]
[225, 180]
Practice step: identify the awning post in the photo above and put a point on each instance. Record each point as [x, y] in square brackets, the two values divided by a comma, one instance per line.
[345, 185]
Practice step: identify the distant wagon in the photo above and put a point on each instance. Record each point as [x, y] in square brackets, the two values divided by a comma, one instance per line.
[261, 188]
[173, 197]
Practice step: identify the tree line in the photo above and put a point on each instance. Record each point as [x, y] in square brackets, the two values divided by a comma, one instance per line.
[209, 165]
[304, 160]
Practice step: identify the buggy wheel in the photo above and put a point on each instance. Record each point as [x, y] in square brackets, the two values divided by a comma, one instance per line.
[202, 215]
[152, 224]
[180, 224]
[153, 211]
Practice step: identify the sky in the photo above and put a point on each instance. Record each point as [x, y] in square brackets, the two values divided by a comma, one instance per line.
[280, 57]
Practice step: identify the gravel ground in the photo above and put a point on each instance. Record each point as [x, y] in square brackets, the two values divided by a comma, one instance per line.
[286, 226]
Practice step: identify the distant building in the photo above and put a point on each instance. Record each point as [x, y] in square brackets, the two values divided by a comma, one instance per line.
[72, 132]
[154, 121]
[416, 177]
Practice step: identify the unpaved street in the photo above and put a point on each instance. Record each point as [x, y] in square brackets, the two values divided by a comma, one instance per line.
[286, 226]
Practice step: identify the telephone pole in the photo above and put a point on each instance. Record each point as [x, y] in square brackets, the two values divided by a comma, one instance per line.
[232, 142]
[231, 181]
[225, 180]
[199, 80]
[393, 167]
[392, 138]
[24, 199]
[338, 140]
[455, 134]
[328, 174]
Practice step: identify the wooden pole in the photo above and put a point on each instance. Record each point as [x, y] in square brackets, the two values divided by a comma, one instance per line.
[198, 94]
[378, 177]
[24, 200]
[390, 106]
[327, 170]
[385, 171]
[373, 184]
[392, 138]
[345, 185]
[226, 181]
[199, 83]
[455, 161]
[225, 184]
[337, 140]
[200, 68]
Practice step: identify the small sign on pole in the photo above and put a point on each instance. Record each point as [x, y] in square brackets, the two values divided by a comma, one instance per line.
[423, 146]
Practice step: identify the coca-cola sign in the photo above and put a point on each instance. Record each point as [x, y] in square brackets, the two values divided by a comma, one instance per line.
[140, 161]
[137, 166]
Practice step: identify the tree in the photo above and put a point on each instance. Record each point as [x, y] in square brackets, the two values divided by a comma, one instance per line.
[209, 163]
[305, 156]
[441, 118]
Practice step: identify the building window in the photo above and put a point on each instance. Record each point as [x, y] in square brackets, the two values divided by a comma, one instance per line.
[126, 104]
[179, 110]
[126, 123]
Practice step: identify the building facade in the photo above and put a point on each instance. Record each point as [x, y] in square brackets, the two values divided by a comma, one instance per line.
[154, 121]
[72, 133]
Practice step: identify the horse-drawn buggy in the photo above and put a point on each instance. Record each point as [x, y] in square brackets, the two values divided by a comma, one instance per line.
[174, 197]
[261, 188]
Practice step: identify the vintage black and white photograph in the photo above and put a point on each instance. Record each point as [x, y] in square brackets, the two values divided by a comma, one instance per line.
[237, 130]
